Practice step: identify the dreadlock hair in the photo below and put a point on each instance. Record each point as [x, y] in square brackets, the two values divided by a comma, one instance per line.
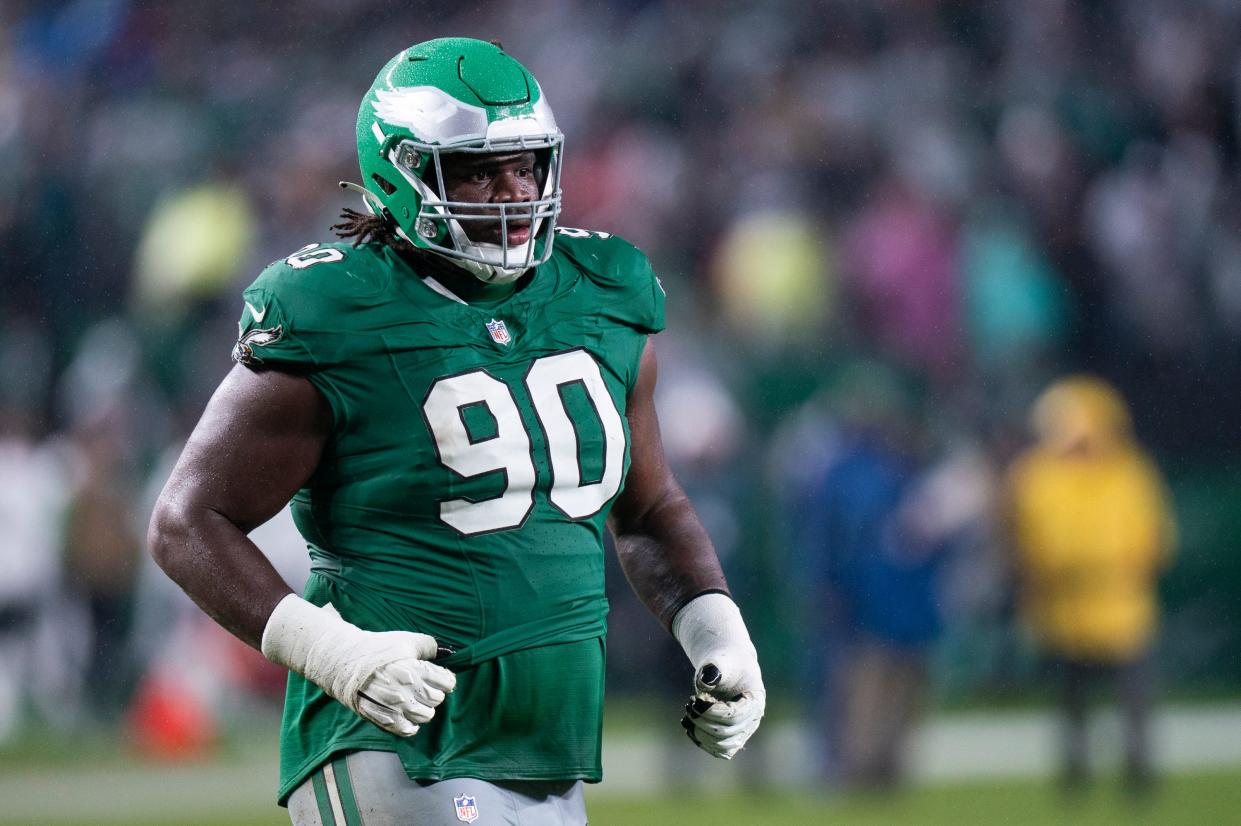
[365, 228]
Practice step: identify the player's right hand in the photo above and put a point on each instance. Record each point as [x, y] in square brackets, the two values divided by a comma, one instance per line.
[402, 694]
[385, 677]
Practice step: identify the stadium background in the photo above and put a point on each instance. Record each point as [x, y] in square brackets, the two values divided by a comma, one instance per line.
[945, 203]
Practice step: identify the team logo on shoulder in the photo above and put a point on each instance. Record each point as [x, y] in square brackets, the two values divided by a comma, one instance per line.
[467, 810]
[243, 351]
[499, 332]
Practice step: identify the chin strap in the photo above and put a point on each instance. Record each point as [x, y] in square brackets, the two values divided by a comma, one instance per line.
[487, 273]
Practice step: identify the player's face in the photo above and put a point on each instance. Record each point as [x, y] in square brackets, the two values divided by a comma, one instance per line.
[509, 177]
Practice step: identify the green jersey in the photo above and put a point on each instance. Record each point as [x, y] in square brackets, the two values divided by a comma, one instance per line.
[474, 456]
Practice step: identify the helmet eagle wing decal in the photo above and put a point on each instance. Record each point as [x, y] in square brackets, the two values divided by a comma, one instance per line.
[430, 113]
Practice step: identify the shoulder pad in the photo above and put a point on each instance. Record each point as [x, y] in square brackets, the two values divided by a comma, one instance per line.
[296, 311]
[604, 257]
[620, 268]
[337, 270]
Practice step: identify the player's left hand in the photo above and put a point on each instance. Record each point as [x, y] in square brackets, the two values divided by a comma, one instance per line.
[729, 698]
[727, 706]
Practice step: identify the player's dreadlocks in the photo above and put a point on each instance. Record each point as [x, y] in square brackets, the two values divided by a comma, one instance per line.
[363, 228]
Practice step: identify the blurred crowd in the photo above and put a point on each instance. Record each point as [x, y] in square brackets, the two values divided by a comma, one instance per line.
[885, 228]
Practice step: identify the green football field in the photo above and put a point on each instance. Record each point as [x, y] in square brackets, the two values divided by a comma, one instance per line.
[1206, 798]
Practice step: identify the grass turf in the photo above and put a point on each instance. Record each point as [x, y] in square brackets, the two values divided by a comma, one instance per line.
[1213, 798]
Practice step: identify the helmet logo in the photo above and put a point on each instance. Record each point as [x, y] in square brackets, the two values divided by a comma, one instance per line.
[432, 114]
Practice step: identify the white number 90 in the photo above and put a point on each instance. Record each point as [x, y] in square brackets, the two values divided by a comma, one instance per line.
[509, 450]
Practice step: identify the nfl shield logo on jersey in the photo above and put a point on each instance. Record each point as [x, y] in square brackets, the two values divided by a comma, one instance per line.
[499, 332]
[467, 812]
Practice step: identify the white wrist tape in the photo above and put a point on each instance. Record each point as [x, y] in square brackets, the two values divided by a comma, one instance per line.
[729, 698]
[332, 653]
[293, 627]
[710, 626]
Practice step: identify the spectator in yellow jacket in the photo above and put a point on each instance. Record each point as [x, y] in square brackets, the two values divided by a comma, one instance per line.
[1092, 528]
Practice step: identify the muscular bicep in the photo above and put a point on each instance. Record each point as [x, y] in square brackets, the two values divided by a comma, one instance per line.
[257, 443]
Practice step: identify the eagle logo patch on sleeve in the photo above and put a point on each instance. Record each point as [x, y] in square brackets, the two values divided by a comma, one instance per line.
[243, 351]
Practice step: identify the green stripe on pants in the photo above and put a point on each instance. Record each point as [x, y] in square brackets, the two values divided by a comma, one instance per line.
[325, 806]
[345, 787]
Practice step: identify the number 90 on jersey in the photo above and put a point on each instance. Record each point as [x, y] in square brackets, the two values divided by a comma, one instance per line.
[510, 450]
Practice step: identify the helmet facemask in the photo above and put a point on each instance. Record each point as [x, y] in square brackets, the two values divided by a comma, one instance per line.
[442, 225]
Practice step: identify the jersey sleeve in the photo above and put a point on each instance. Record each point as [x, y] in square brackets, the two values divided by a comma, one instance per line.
[294, 319]
[265, 335]
[636, 295]
[298, 313]
[647, 292]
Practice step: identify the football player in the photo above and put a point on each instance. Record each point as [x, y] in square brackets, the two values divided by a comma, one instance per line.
[457, 403]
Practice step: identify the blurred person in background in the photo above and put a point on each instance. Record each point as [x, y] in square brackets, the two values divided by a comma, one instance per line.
[872, 552]
[33, 483]
[1092, 529]
[900, 261]
[452, 402]
[101, 551]
[102, 397]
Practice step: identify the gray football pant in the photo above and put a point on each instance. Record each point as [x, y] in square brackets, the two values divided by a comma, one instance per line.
[370, 788]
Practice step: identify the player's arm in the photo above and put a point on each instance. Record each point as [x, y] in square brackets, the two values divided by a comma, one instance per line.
[670, 562]
[257, 443]
[663, 547]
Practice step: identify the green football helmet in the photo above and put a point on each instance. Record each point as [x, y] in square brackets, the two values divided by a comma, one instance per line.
[458, 95]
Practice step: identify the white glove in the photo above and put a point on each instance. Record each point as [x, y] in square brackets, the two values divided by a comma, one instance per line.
[383, 676]
[729, 698]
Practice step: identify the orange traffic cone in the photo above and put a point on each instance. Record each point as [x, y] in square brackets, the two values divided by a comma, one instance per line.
[168, 722]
